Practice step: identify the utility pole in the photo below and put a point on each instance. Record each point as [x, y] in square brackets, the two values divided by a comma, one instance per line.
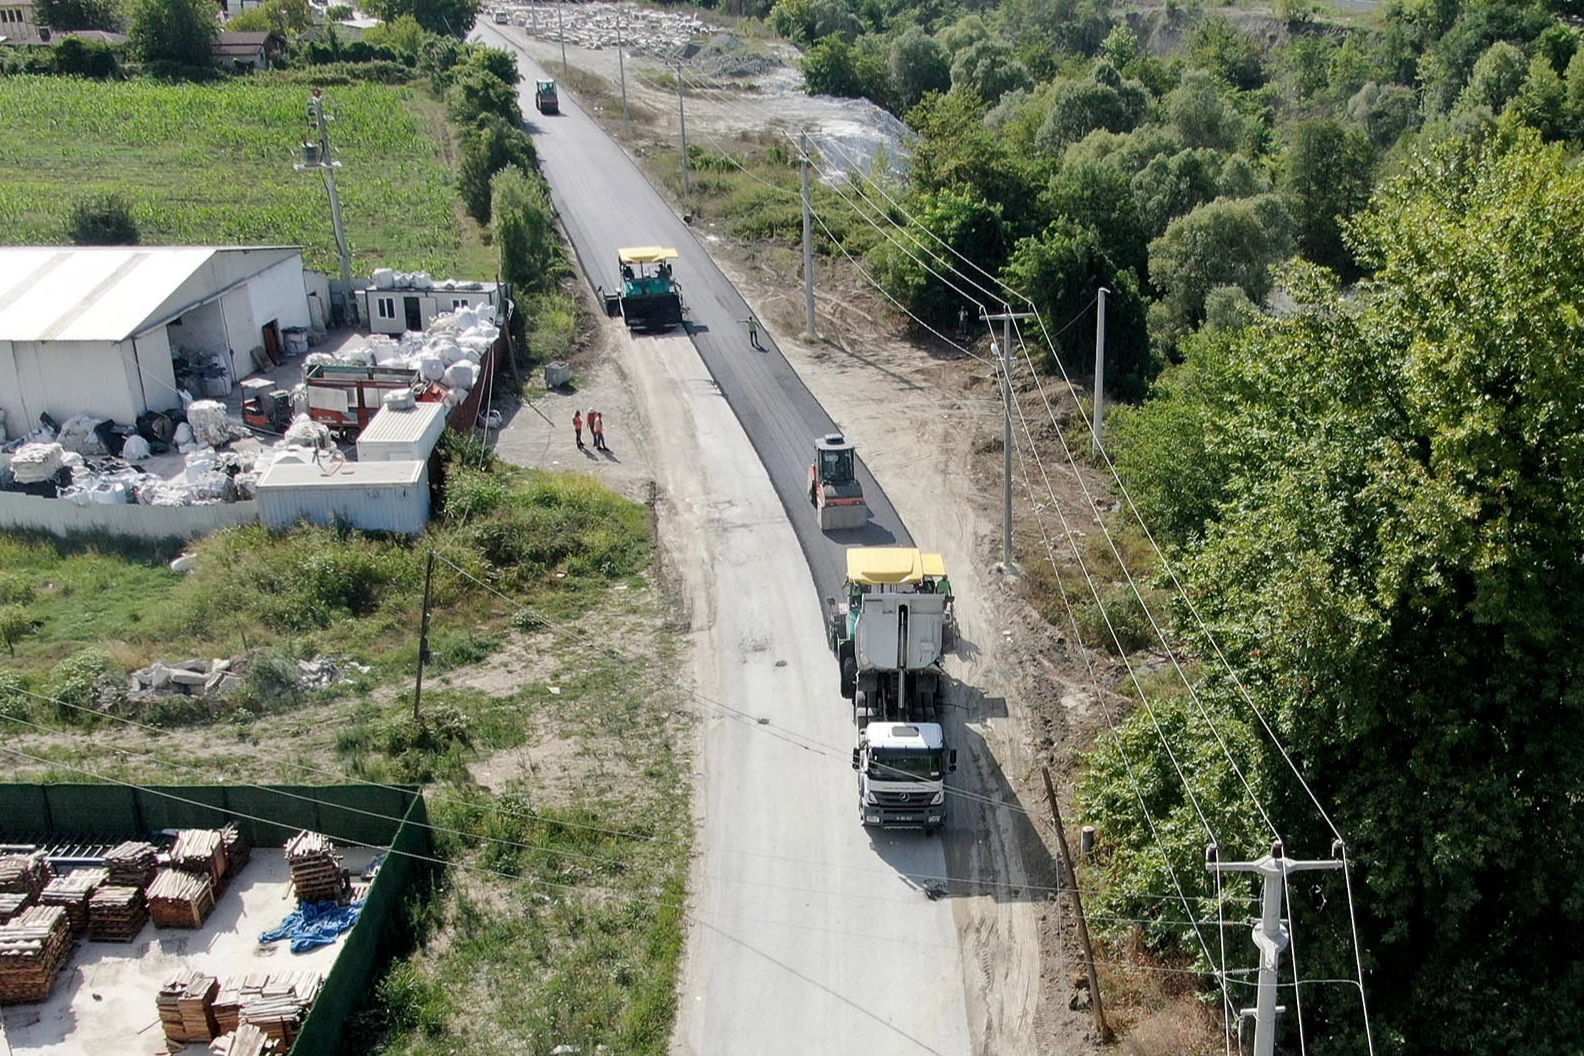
[1005, 351]
[423, 637]
[808, 242]
[1099, 384]
[1070, 881]
[682, 114]
[561, 33]
[621, 64]
[1270, 931]
[316, 157]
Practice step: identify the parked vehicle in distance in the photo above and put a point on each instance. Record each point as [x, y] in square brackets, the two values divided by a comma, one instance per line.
[501, 18]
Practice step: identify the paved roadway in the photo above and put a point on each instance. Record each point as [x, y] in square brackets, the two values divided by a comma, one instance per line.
[606, 203]
[806, 934]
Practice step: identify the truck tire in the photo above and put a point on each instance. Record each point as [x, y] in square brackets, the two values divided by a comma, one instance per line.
[849, 670]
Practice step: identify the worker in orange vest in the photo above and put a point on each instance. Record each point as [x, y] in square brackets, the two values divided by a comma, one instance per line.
[577, 427]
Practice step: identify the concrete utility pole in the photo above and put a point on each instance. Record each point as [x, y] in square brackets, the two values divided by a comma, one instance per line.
[316, 157]
[1005, 352]
[808, 242]
[621, 64]
[1270, 931]
[682, 114]
[1070, 882]
[1099, 384]
[561, 35]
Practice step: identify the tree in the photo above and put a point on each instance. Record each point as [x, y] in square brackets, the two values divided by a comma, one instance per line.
[1542, 102]
[1497, 76]
[954, 150]
[281, 16]
[986, 69]
[1385, 112]
[487, 148]
[1081, 105]
[180, 32]
[102, 220]
[830, 67]
[1383, 539]
[451, 18]
[1173, 185]
[915, 269]
[1327, 175]
[523, 222]
[918, 65]
[476, 91]
[1200, 112]
[404, 36]
[1098, 195]
[78, 14]
[1227, 242]
[1059, 270]
[1218, 46]
[15, 624]
[76, 57]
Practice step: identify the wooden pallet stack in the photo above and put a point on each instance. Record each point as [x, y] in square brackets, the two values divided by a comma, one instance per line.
[185, 1002]
[72, 892]
[24, 874]
[116, 913]
[32, 949]
[13, 903]
[180, 900]
[315, 868]
[247, 1040]
[201, 851]
[237, 850]
[132, 864]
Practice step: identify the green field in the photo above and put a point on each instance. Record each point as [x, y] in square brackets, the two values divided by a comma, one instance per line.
[212, 164]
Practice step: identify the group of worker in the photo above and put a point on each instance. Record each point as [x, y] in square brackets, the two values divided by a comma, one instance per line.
[596, 428]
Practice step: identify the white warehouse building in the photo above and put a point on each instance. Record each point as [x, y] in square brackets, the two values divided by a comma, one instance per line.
[97, 329]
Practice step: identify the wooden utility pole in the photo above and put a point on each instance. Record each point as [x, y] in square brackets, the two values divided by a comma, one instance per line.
[1070, 882]
[423, 637]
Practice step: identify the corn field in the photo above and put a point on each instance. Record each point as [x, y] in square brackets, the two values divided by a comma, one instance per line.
[212, 164]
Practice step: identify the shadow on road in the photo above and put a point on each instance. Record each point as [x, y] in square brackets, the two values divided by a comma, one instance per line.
[871, 534]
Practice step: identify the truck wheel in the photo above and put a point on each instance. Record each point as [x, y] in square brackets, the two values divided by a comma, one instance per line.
[849, 673]
[860, 709]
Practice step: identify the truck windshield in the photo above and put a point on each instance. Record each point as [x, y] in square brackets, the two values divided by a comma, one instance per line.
[904, 766]
[836, 466]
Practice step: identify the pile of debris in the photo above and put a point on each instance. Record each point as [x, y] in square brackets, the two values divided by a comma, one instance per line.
[642, 31]
[448, 354]
[246, 1040]
[33, 946]
[222, 679]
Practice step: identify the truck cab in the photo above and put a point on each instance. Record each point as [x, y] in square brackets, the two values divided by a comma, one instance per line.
[902, 770]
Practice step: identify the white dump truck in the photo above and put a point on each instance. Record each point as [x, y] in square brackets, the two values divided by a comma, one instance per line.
[889, 637]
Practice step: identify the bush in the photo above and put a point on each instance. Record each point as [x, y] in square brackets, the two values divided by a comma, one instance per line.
[76, 57]
[84, 683]
[103, 220]
[15, 624]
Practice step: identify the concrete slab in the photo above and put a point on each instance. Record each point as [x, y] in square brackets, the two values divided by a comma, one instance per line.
[103, 999]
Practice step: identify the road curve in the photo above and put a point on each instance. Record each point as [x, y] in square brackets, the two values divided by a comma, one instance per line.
[808, 934]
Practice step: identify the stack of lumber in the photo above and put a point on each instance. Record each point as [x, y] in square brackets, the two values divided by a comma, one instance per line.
[185, 1001]
[12, 903]
[237, 850]
[201, 851]
[315, 868]
[180, 900]
[32, 949]
[72, 892]
[276, 1004]
[131, 864]
[248, 1040]
[24, 874]
[116, 914]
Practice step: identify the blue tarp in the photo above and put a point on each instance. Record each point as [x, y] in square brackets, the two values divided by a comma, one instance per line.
[314, 924]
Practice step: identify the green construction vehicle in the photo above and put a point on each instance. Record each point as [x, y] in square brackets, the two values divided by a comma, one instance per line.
[649, 298]
[545, 100]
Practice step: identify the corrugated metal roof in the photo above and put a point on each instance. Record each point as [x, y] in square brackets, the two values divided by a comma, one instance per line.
[91, 293]
[390, 426]
[345, 475]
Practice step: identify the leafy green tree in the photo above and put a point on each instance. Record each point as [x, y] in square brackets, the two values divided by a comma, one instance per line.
[968, 30]
[404, 35]
[955, 150]
[1081, 105]
[1542, 101]
[451, 18]
[523, 222]
[337, 12]
[487, 148]
[1201, 114]
[1385, 112]
[1381, 532]
[15, 624]
[915, 268]
[1227, 242]
[1497, 76]
[76, 57]
[918, 65]
[830, 67]
[78, 14]
[987, 69]
[180, 32]
[281, 16]
[102, 220]
[1327, 173]
[1220, 47]
[794, 20]
[1173, 185]
[1229, 308]
[1059, 270]
[475, 91]
[1099, 195]
[1064, 26]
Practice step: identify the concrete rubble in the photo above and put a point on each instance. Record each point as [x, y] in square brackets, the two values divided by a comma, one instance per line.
[597, 26]
[222, 679]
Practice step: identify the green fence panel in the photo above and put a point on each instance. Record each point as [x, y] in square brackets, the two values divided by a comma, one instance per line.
[24, 812]
[367, 945]
[95, 810]
[182, 807]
